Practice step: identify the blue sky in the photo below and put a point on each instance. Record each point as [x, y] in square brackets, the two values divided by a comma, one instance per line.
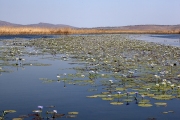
[91, 13]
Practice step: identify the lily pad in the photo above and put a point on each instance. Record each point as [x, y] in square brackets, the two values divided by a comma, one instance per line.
[37, 111]
[145, 105]
[93, 96]
[165, 112]
[73, 113]
[108, 98]
[160, 104]
[17, 119]
[9, 111]
[116, 103]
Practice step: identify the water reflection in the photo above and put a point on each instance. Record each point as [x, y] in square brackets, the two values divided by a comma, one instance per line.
[166, 39]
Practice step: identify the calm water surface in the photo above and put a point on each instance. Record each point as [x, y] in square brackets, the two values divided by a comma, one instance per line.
[166, 39]
[22, 90]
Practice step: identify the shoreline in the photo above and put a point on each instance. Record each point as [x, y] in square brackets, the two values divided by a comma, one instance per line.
[70, 31]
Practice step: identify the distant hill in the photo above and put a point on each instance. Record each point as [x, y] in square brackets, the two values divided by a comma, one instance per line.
[4, 23]
[48, 25]
[144, 27]
[122, 29]
[41, 25]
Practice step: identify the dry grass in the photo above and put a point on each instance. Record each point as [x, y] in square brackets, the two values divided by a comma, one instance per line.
[34, 30]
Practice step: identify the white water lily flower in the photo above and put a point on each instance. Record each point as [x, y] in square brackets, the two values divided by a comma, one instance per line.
[164, 83]
[157, 76]
[131, 72]
[40, 107]
[169, 82]
[37, 111]
[142, 96]
[111, 81]
[164, 80]
[148, 88]
[58, 76]
[91, 71]
[55, 111]
[157, 84]
[109, 95]
[82, 75]
[119, 92]
[124, 75]
[102, 74]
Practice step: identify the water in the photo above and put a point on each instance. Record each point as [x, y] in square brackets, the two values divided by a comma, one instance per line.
[165, 39]
[27, 36]
[23, 91]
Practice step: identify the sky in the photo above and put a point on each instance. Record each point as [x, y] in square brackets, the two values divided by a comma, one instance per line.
[91, 13]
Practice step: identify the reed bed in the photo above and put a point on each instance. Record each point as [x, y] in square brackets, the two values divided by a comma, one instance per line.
[39, 31]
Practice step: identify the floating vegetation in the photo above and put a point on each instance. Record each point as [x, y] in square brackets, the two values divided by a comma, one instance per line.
[145, 105]
[117, 69]
[164, 97]
[17, 119]
[5, 112]
[166, 112]
[116, 103]
[73, 113]
[35, 64]
[93, 96]
[9, 111]
[160, 104]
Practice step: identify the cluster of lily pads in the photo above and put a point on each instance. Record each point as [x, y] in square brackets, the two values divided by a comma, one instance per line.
[125, 70]
[39, 115]
[137, 68]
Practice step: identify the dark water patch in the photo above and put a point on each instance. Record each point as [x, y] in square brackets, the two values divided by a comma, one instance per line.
[28, 36]
[171, 36]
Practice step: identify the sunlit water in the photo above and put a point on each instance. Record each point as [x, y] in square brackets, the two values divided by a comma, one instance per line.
[165, 39]
[22, 90]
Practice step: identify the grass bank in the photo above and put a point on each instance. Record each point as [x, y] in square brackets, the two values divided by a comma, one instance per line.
[36, 30]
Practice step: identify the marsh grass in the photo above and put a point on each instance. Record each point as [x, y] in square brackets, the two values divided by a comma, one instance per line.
[39, 30]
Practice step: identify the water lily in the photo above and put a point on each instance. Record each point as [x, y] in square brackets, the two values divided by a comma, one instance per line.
[164, 80]
[91, 72]
[40, 107]
[83, 76]
[55, 111]
[111, 81]
[178, 75]
[168, 82]
[147, 88]
[109, 95]
[157, 85]
[164, 83]
[119, 92]
[102, 74]
[58, 76]
[156, 76]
